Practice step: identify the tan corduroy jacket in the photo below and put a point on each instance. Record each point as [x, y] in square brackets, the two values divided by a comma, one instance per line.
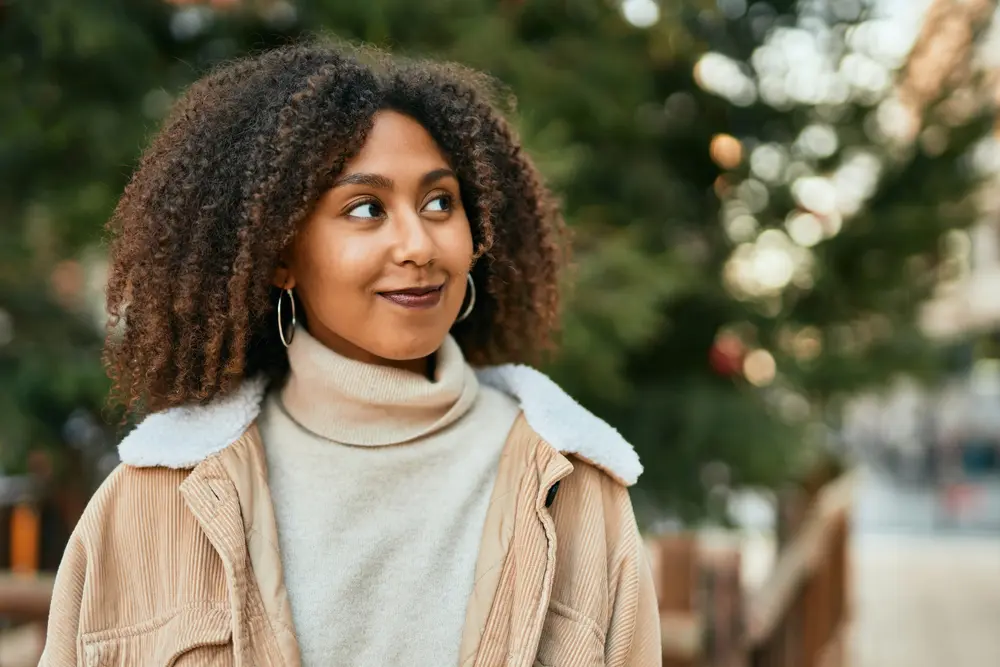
[175, 562]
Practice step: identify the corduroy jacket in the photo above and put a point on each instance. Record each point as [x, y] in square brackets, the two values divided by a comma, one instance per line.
[175, 561]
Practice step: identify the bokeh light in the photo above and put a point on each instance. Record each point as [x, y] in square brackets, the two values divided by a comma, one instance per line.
[760, 368]
[641, 13]
[726, 150]
[804, 228]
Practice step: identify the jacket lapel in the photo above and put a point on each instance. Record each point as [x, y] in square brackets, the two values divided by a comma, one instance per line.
[246, 466]
[211, 497]
[228, 495]
[498, 531]
[515, 570]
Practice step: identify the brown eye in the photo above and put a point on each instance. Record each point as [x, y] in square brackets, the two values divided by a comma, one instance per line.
[440, 204]
[366, 210]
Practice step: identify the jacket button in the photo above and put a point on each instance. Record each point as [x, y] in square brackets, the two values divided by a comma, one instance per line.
[551, 495]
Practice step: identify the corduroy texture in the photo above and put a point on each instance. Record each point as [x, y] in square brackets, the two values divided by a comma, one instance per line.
[161, 557]
[572, 586]
[158, 572]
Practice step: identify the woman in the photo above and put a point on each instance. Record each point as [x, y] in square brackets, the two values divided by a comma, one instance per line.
[311, 254]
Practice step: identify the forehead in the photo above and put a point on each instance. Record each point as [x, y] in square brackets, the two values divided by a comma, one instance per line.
[396, 143]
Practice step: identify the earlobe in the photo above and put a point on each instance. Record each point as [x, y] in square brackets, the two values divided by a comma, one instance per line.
[283, 278]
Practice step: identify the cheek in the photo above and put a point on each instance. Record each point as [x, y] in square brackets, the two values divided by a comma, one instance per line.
[456, 250]
[456, 246]
[334, 268]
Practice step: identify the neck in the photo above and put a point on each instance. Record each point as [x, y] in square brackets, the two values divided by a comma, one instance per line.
[422, 366]
[354, 402]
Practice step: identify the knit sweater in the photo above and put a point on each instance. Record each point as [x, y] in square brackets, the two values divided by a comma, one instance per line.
[380, 480]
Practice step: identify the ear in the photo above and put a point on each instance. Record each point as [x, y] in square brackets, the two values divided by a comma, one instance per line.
[283, 278]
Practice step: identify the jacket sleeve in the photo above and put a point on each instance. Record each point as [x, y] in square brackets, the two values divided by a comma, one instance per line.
[633, 638]
[62, 640]
[647, 648]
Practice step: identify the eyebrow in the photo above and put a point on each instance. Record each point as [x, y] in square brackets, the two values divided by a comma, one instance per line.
[385, 183]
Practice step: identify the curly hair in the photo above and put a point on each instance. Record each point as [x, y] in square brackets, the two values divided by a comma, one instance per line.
[243, 159]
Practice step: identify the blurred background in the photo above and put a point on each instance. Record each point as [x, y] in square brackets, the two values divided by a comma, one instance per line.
[786, 292]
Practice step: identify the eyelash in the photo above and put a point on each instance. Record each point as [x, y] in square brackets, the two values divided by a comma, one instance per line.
[374, 203]
[448, 201]
[371, 201]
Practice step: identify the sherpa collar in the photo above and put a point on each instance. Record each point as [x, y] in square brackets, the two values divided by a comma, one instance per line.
[183, 437]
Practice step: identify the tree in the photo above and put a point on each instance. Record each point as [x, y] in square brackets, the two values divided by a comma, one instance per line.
[752, 238]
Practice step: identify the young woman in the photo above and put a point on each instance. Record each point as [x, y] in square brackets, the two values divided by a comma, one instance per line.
[314, 254]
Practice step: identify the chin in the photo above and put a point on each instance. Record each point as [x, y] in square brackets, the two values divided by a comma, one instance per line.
[408, 348]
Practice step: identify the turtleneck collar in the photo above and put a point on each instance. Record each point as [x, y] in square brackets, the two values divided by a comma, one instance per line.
[357, 403]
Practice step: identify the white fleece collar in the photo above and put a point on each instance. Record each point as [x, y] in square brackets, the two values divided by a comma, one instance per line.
[183, 437]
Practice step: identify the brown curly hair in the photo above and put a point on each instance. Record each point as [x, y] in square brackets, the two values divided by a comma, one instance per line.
[241, 162]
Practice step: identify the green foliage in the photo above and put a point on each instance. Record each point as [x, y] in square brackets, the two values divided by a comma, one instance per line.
[619, 125]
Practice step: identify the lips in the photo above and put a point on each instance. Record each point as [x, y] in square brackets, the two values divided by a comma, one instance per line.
[424, 296]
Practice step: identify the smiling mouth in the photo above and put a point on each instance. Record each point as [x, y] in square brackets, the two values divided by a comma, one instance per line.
[415, 297]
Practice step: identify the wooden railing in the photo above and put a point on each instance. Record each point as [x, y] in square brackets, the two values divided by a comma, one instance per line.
[25, 597]
[797, 617]
[24, 608]
[25, 594]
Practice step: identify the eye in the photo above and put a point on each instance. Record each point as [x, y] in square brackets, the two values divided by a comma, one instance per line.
[440, 204]
[367, 209]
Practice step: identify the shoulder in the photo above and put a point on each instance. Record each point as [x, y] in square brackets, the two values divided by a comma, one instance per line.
[565, 424]
[182, 437]
[136, 557]
[131, 499]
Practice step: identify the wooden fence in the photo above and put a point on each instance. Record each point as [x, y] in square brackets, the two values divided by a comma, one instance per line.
[711, 617]
[25, 550]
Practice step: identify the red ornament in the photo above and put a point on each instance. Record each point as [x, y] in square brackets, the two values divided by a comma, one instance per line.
[726, 355]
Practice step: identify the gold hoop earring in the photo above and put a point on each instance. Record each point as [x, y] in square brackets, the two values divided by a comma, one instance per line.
[472, 299]
[281, 329]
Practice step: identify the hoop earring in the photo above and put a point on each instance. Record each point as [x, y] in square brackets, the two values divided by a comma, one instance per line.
[281, 329]
[472, 300]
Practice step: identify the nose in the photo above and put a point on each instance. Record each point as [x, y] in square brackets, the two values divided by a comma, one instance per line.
[413, 243]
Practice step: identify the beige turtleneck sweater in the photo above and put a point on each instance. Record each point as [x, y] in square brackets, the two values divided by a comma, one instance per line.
[380, 481]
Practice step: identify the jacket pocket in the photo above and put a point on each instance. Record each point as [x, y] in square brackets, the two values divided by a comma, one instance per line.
[192, 637]
[569, 639]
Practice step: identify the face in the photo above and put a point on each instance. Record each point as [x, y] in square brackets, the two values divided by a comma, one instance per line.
[380, 266]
